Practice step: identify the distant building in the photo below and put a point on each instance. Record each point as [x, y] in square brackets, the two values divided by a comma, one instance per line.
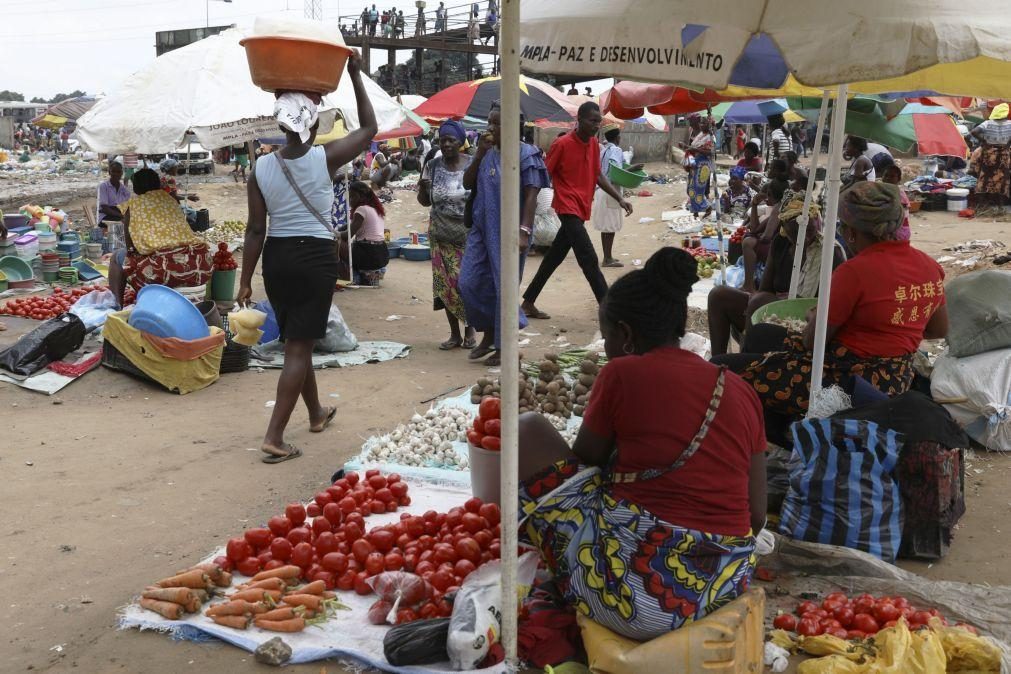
[167, 40]
[20, 111]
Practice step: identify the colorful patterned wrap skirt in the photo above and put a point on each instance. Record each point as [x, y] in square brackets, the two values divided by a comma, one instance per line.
[623, 567]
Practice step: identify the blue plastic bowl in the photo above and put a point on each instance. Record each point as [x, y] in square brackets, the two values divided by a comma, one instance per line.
[16, 269]
[394, 247]
[416, 254]
[163, 312]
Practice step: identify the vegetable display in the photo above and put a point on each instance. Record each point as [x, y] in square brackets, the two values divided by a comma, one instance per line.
[707, 261]
[426, 441]
[185, 592]
[738, 235]
[487, 430]
[223, 259]
[225, 231]
[272, 602]
[44, 308]
[857, 618]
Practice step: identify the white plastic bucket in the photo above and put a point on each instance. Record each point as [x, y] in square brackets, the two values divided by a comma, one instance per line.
[485, 474]
[958, 199]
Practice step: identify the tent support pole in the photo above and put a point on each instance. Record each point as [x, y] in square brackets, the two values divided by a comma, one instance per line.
[798, 253]
[833, 182]
[508, 43]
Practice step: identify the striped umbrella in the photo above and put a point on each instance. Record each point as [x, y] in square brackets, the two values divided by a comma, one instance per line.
[539, 101]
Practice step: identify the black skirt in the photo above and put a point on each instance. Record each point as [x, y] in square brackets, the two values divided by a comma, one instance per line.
[299, 275]
[370, 255]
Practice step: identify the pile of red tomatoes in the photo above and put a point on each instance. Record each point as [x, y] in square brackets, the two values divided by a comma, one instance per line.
[856, 618]
[223, 259]
[43, 308]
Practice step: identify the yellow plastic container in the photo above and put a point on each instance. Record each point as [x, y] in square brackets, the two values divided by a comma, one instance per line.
[729, 641]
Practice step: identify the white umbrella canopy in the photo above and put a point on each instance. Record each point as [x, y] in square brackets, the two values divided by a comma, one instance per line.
[821, 42]
[205, 87]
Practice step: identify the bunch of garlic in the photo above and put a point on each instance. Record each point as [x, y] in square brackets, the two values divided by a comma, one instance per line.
[426, 441]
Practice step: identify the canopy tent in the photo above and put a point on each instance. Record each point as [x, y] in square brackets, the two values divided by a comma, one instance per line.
[927, 129]
[413, 125]
[205, 87]
[65, 112]
[919, 46]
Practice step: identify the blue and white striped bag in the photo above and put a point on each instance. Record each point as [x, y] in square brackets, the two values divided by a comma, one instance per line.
[842, 486]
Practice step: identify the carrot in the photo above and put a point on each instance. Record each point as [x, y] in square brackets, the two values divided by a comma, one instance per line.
[212, 570]
[257, 594]
[225, 580]
[286, 572]
[202, 595]
[310, 601]
[290, 625]
[266, 584]
[329, 595]
[195, 579]
[235, 607]
[165, 609]
[316, 587]
[283, 613]
[239, 622]
[176, 595]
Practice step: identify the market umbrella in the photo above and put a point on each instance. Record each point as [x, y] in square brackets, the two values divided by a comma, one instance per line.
[65, 112]
[539, 101]
[753, 112]
[410, 101]
[206, 87]
[922, 45]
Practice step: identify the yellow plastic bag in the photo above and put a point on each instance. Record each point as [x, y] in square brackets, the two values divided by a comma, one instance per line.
[967, 653]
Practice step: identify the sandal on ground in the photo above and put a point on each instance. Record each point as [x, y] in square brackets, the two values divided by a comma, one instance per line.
[330, 414]
[293, 452]
[494, 360]
[479, 352]
[612, 263]
[470, 343]
[450, 344]
[538, 314]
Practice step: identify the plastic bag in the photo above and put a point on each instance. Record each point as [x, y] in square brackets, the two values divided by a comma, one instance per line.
[980, 390]
[339, 337]
[94, 308]
[978, 312]
[474, 627]
[420, 642]
[396, 590]
[47, 343]
[546, 222]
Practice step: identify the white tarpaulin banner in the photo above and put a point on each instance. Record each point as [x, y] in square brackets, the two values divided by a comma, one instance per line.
[205, 87]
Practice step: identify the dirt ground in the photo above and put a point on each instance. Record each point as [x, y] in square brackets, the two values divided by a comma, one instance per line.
[113, 483]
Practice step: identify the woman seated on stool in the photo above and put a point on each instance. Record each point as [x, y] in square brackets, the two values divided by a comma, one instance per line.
[687, 466]
[370, 253]
[760, 230]
[731, 308]
[161, 247]
[884, 301]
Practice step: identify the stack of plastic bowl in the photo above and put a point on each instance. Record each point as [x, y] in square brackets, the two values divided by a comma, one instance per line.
[27, 245]
[93, 251]
[7, 246]
[50, 267]
[47, 241]
[163, 312]
[68, 276]
[69, 252]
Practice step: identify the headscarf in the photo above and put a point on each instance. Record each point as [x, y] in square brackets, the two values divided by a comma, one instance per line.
[871, 207]
[792, 206]
[454, 129]
[1000, 112]
[738, 172]
[297, 113]
[167, 164]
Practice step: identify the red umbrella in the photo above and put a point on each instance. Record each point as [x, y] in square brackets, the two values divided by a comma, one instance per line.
[539, 101]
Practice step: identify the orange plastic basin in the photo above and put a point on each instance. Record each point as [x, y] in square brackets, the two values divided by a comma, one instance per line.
[290, 64]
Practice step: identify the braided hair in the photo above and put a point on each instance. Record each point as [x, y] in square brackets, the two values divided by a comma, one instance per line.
[653, 301]
[368, 197]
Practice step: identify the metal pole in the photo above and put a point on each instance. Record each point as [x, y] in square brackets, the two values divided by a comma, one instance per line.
[828, 247]
[509, 275]
[798, 253]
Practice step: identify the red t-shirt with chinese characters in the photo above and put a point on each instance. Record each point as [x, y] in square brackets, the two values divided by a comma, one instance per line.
[653, 405]
[883, 298]
[574, 165]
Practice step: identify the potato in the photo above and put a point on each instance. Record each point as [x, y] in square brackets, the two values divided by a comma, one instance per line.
[553, 357]
[589, 367]
[593, 356]
[581, 400]
[487, 390]
[553, 387]
[549, 408]
[580, 390]
[586, 380]
[484, 381]
[476, 399]
[578, 410]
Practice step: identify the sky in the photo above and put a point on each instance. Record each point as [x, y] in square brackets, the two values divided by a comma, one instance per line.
[92, 45]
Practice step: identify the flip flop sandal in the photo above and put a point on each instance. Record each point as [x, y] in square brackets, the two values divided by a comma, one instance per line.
[613, 264]
[470, 343]
[480, 352]
[449, 345]
[538, 314]
[293, 453]
[326, 422]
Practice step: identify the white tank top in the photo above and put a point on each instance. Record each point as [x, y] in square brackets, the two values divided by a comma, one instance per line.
[288, 216]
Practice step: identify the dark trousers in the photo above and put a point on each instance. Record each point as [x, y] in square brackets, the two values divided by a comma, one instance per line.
[571, 235]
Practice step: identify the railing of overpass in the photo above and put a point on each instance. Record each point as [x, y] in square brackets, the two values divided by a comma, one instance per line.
[454, 26]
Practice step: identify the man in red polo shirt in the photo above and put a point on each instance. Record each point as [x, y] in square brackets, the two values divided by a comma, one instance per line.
[574, 165]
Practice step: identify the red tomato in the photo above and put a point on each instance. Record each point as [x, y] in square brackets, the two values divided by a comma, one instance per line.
[865, 623]
[352, 530]
[890, 623]
[844, 615]
[385, 495]
[404, 501]
[854, 635]
[490, 408]
[829, 623]
[786, 622]
[279, 525]
[809, 628]
[280, 548]
[900, 602]
[273, 564]
[493, 427]
[920, 618]
[806, 607]
[831, 605]
[381, 539]
[323, 498]
[333, 513]
[347, 504]
[444, 553]
[474, 438]
[839, 597]
[361, 587]
[325, 543]
[478, 426]
[377, 481]
[491, 512]
[495, 550]
[361, 549]
[406, 615]
[399, 489]
[302, 554]
[837, 632]
[463, 568]
[442, 580]
[374, 563]
[469, 549]
[393, 561]
[885, 612]
[472, 523]
[335, 562]
[483, 538]
[378, 507]
[421, 568]
[428, 610]
[346, 581]
[415, 527]
[336, 493]
[225, 563]
[351, 477]
[491, 443]
[238, 549]
[295, 512]
[258, 538]
[250, 566]
[320, 525]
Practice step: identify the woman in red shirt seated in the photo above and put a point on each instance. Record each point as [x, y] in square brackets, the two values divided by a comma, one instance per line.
[669, 442]
[884, 301]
